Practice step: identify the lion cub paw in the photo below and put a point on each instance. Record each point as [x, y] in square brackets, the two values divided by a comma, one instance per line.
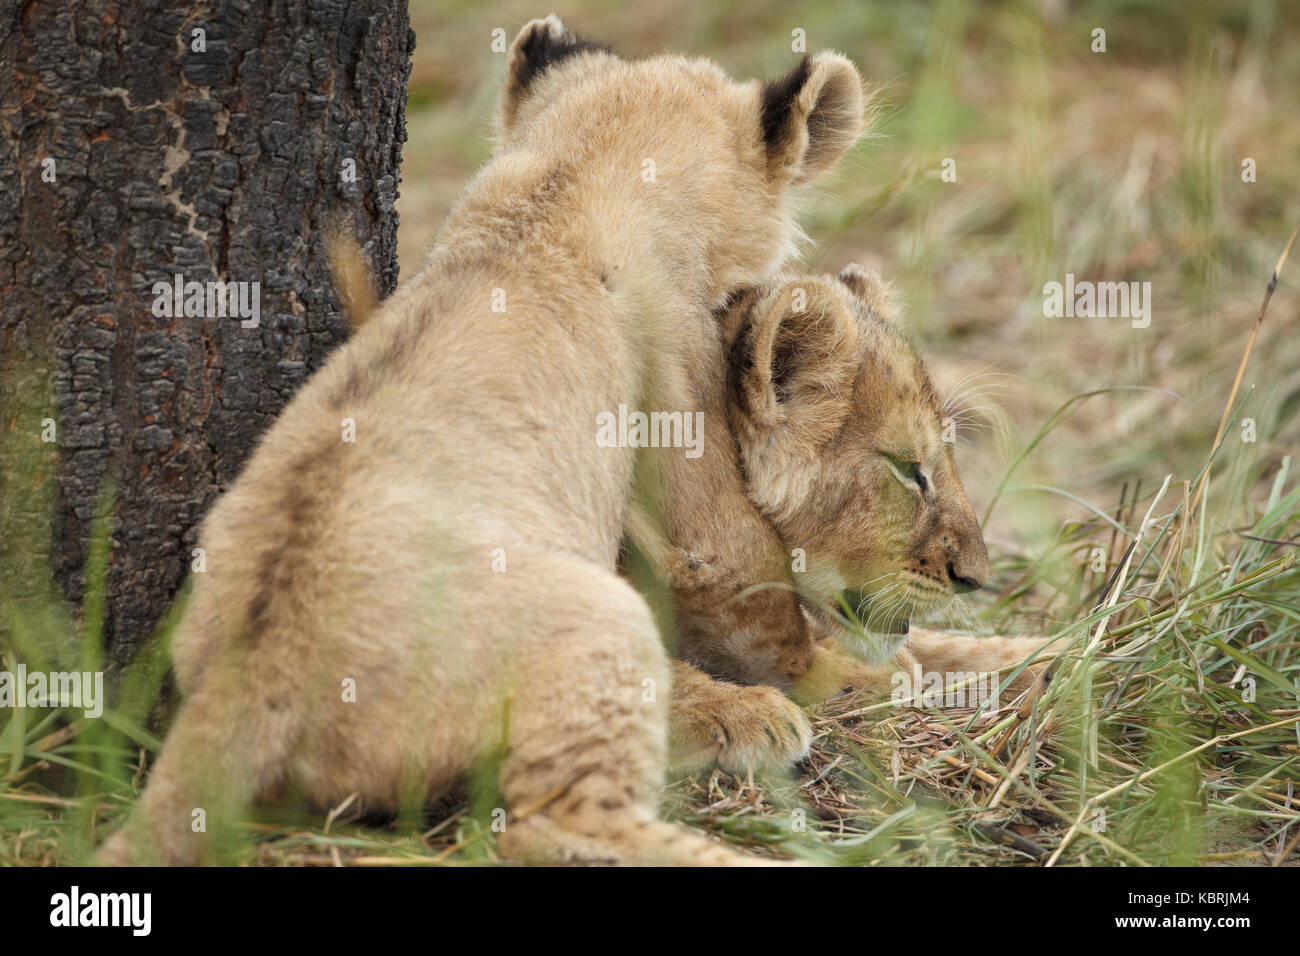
[739, 729]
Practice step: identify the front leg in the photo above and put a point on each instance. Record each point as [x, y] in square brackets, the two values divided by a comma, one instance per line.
[701, 537]
[952, 657]
[935, 652]
[737, 627]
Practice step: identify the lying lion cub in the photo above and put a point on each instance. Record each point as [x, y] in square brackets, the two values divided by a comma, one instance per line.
[414, 575]
[825, 482]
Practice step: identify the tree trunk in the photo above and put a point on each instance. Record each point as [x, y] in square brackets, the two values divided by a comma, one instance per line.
[134, 150]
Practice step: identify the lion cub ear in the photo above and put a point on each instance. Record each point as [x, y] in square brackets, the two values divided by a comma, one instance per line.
[540, 45]
[793, 365]
[811, 117]
[877, 294]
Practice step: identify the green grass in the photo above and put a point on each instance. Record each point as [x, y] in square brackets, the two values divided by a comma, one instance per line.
[1146, 718]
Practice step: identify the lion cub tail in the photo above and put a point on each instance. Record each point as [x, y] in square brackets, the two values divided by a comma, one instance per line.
[351, 275]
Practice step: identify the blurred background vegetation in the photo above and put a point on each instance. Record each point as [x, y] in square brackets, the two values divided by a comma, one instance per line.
[1115, 166]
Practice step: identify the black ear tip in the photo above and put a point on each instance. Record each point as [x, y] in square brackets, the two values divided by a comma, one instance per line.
[549, 27]
[857, 277]
[778, 97]
[544, 43]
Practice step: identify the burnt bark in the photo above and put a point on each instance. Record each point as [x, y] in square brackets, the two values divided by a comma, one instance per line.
[219, 160]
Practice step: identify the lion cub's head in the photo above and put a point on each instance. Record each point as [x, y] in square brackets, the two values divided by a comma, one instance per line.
[840, 438]
[679, 139]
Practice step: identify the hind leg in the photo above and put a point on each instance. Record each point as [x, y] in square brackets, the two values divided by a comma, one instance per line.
[230, 743]
[587, 727]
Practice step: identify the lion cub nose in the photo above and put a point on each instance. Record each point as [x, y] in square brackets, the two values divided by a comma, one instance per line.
[963, 585]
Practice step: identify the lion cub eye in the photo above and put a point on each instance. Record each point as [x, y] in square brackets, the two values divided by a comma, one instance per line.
[908, 471]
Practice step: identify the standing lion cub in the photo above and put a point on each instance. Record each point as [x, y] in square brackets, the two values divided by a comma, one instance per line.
[415, 573]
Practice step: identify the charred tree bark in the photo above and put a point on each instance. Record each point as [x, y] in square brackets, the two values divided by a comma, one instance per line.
[138, 142]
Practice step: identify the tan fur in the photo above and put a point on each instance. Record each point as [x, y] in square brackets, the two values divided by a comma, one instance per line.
[372, 561]
[824, 399]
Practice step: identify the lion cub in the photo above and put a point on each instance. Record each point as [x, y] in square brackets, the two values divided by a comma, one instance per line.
[826, 483]
[414, 576]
